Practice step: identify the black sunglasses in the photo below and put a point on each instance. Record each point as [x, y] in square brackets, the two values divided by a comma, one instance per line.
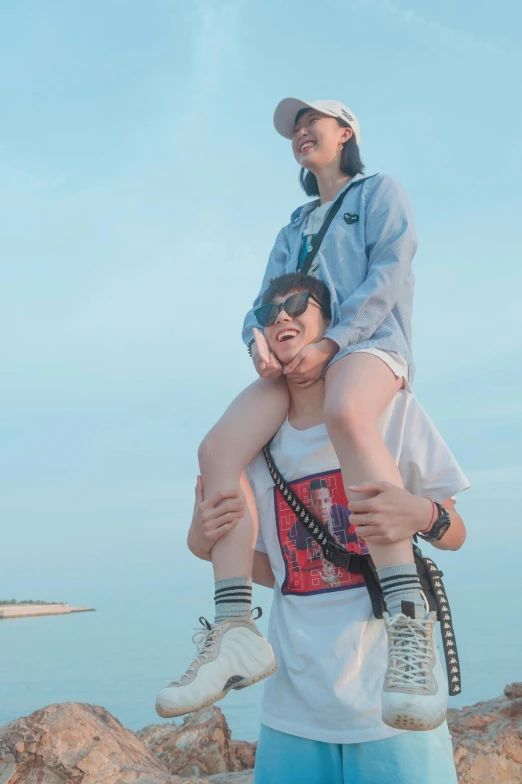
[295, 305]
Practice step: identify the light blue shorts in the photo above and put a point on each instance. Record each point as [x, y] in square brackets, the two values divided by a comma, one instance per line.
[409, 758]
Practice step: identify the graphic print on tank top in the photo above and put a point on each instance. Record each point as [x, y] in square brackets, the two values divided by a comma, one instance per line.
[306, 570]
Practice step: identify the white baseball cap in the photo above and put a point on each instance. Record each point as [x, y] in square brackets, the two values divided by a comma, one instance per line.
[286, 111]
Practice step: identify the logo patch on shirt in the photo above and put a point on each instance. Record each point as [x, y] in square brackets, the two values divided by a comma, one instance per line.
[350, 218]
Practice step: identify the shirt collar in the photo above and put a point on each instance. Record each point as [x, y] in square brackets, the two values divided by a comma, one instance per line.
[307, 208]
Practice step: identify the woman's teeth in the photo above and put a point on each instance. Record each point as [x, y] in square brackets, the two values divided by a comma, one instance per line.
[307, 146]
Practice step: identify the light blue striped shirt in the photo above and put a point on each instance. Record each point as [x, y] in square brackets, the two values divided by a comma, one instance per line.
[364, 260]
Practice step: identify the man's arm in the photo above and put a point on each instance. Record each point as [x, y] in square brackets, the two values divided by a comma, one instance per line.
[392, 514]
[455, 536]
[214, 518]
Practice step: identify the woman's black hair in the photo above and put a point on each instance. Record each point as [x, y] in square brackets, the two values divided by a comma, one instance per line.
[351, 163]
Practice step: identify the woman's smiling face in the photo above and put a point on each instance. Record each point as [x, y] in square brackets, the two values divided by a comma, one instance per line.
[290, 334]
[318, 139]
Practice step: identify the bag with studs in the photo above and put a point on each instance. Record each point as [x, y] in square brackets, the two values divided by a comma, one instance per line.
[429, 575]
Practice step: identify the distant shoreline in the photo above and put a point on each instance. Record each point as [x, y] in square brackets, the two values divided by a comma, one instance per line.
[26, 601]
[32, 609]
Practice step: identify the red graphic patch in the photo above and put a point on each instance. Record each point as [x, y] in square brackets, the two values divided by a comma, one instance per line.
[307, 571]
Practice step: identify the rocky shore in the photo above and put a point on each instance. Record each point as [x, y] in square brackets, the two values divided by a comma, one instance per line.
[74, 743]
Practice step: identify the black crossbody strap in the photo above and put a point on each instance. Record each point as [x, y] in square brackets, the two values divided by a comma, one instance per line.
[330, 215]
[449, 642]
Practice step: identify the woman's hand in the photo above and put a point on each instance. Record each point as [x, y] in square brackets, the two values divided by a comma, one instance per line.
[390, 515]
[212, 519]
[265, 361]
[309, 364]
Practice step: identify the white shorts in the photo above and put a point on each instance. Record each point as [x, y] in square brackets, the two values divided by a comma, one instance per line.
[395, 362]
[393, 359]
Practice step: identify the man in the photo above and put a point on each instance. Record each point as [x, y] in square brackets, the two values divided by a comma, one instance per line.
[321, 712]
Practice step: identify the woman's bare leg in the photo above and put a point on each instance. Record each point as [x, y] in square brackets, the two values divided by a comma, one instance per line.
[359, 388]
[246, 426]
[232, 653]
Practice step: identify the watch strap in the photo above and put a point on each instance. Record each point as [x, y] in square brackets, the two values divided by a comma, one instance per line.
[439, 527]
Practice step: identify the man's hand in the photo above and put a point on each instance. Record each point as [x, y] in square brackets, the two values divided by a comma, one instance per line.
[390, 515]
[212, 519]
[265, 361]
[309, 364]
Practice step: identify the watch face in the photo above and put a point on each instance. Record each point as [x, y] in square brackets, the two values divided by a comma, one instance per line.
[440, 526]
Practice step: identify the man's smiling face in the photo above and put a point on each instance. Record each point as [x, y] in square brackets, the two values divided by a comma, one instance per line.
[290, 334]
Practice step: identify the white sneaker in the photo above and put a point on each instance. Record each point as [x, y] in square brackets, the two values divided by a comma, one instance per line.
[414, 696]
[231, 655]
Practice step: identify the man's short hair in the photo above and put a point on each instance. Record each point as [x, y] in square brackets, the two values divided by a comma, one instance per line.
[296, 281]
[318, 484]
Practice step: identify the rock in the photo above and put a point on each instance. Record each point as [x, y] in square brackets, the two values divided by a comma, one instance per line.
[75, 743]
[513, 690]
[200, 746]
[244, 753]
[487, 739]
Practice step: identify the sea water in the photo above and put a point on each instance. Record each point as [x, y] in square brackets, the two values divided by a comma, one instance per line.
[139, 638]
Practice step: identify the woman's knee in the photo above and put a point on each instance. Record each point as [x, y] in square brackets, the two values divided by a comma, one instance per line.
[219, 452]
[210, 449]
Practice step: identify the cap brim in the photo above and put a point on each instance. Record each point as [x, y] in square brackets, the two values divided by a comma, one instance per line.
[285, 114]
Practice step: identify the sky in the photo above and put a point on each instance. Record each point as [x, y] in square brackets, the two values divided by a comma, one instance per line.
[143, 185]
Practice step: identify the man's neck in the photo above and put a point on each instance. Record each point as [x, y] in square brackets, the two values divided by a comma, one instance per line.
[306, 405]
[330, 180]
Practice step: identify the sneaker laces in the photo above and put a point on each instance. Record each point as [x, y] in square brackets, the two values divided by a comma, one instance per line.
[204, 639]
[411, 651]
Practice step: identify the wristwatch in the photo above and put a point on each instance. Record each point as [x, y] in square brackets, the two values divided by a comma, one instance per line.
[439, 527]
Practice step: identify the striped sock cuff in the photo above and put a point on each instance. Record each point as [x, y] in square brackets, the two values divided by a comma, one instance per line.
[226, 591]
[391, 584]
[233, 589]
[233, 598]
[387, 574]
[401, 583]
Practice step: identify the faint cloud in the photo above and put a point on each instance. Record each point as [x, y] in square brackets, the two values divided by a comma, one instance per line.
[214, 41]
[217, 27]
[438, 30]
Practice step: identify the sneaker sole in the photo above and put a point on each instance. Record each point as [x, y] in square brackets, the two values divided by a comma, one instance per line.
[405, 721]
[170, 713]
